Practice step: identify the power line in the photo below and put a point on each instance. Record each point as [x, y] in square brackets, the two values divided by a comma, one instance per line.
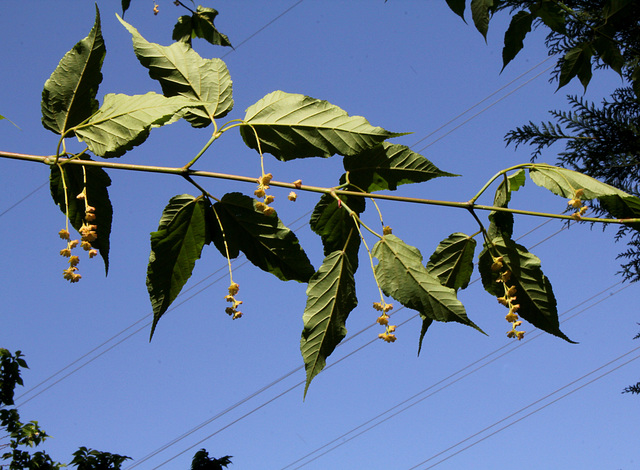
[264, 27]
[24, 198]
[482, 101]
[116, 344]
[534, 411]
[485, 109]
[342, 438]
[299, 384]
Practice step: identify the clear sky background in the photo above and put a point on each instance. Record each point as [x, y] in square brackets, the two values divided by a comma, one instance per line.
[407, 66]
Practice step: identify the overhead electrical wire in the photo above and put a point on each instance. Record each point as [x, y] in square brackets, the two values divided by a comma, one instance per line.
[593, 371]
[507, 85]
[486, 108]
[299, 384]
[342, 439]
[24, 198]
[253, 410]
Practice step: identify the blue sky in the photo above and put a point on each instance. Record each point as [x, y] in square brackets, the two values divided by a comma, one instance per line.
[407, 66]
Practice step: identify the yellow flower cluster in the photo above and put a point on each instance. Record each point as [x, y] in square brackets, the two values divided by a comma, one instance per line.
[89, 234]
[386, 230]
[509, 298]
[261, 192]
[383, 320]
[233, 311]
[70, 273]
[576, 203]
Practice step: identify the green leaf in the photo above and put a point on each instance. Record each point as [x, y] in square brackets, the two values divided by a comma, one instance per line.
[457, 6]
[533, 290]
[69, 95]
[97, 195]
[292, 126]
[402, 275]
[509, 184]
[387, 166]
[182, 72]
[481, 15]
[502, 222]
[514, 36]
[331, 296]
[175, 247]
[452, 262]
[563, 182]
[576, 62]
[200, 25]
[551, 14]
[264, 239]
[613, 7]
[426, 323]
[609, 53]
[123, 121]
[336, 227]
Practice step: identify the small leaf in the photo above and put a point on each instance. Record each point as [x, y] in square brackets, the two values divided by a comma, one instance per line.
[182, 72]
[386, 166]
[481, 16]
[331, 296]
[452, 262]
[514, 36]
[502, 222]
[97, 195]
[200, 25]
[69, 95]
[336, 227]
[576, 62]
[457, 6]
[123, 121]
[563, 182]
[263, 239]
[402, 275]
[533, 290]
[296, 126]
[175, 247]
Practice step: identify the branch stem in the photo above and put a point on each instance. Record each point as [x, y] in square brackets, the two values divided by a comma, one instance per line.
[252, 180]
